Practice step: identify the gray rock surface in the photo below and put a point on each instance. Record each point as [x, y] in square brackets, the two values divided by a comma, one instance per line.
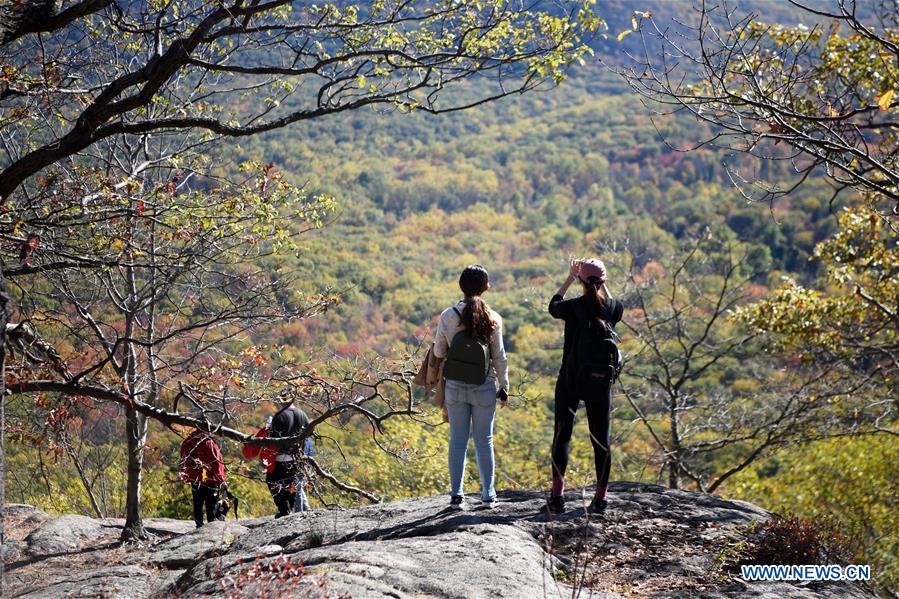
[12, 551]
[211, 539]
[66, 534]
[23, 510]
[656, 538]
[120, 581]
[164, 526]
[653, 542]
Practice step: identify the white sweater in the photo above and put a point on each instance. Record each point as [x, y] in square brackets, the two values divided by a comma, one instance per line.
[450, 324]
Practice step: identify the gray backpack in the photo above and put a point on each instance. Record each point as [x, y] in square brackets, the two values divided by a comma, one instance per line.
[468, 358]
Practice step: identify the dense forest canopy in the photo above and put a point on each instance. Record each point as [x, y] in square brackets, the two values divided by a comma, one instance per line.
[110, 110]
[328, 248]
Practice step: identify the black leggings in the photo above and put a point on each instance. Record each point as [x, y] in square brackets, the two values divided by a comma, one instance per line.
[598, 401]
[203, 496]
[282, 485]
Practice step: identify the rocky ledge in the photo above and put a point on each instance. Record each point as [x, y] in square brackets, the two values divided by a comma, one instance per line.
[652, 542]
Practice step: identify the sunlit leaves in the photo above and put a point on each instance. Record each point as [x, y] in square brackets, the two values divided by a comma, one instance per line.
[636, 18]
[885, 100]
[281, 64]
[846, 481]
[856, 317]
[826, 96]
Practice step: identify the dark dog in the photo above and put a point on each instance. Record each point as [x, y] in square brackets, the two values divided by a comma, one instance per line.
[224, 501]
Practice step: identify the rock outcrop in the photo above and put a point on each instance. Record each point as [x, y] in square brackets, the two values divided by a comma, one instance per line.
[652, 542]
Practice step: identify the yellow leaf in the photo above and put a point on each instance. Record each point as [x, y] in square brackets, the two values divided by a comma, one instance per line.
[634, 22]
[624, 34]
[885, 100]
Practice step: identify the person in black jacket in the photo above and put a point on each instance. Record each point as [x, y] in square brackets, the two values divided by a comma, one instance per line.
[571, 388]
[289, 421]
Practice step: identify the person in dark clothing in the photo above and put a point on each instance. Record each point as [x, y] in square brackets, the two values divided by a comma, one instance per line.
[203, 468]
[203, 496]
[289, 421]
[571, 388]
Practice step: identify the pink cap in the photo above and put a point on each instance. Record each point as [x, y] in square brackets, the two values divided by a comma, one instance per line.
[592, 268]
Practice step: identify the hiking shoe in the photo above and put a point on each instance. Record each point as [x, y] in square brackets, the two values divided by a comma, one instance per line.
[490, 503]
[457, 502]
[554, 505]
[597, 506]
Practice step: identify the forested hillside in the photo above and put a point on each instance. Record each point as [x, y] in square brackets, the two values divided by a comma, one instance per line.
[577, 171]
[520, 186]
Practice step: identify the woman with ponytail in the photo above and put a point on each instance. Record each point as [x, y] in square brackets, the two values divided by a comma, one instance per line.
[469, 335]
[572, 387]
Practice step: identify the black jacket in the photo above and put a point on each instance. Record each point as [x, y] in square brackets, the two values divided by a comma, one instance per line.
[288, 422]
[577, 309]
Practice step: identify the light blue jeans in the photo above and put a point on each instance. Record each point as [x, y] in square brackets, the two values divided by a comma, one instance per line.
[301, 504]
[471, 409]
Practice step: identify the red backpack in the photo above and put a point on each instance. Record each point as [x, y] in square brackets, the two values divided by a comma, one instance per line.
[201, 460]
[266, 454]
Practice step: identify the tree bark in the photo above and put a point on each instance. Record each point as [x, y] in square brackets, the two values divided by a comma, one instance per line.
[673, 473]
[674, 460]
[136, 433]
[21, 18]
[4, 318]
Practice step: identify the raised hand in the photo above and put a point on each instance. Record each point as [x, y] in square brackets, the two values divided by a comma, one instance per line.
[574, 267]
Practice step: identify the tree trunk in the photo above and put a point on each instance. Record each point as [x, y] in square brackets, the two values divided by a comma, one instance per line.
[674, 473]
[23, 17]
[675, 453]
[4, 318]
[136, 432]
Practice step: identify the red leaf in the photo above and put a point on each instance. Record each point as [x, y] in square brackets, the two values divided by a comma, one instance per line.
[30, 244]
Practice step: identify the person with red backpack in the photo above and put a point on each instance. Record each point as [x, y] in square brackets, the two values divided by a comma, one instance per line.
[591, 362]
[265, 453]
[203, 468]
[284, 472]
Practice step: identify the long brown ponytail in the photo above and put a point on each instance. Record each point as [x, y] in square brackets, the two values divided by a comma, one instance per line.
[592, 275]
[476, 317]
[594, 295]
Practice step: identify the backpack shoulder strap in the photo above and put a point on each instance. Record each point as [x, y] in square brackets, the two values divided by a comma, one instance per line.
[618, 312]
